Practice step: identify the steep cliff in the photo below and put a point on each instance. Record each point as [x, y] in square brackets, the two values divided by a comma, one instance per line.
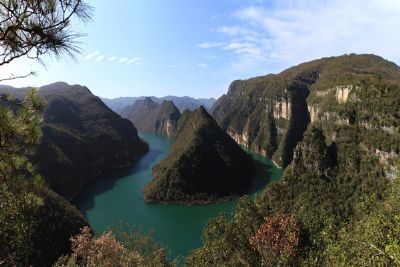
[151, 116]
[81, 137]
[269, 114]
[205, 164]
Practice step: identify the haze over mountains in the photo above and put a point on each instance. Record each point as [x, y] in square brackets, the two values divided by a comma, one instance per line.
[181, 102]
[150, 116]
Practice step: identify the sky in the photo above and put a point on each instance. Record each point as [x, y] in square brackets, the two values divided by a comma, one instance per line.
[197, 48]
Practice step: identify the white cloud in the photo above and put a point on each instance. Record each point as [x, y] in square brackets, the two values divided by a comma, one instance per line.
[290, 32]
[99, 58]
[133, 60]
[91, 55]
[238, 45]
[202, 65]
[206, 45]
[235, 30]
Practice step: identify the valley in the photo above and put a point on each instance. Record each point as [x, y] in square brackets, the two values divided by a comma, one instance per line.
[118, 198]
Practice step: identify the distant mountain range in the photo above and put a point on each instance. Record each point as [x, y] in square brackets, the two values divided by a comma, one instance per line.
[154, 117]
[181, 102]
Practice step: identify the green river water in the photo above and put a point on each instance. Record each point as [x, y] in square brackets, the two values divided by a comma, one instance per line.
[117, 197]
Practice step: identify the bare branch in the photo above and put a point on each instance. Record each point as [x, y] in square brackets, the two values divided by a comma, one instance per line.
[14, 77]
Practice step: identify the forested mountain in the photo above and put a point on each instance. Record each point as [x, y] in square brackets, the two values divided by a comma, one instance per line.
[205, 164]
[181, 102]
[269, 114]
[334, 123]
[153, 117]
[81, 137]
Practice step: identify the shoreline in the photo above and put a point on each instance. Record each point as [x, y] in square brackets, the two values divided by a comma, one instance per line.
[195, 202]
[108, 168]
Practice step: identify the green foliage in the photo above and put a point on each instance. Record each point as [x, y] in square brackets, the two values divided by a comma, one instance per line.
[373, 239]
[227, 242]
[35, 224]
[19, 133]
[324, 188]
[34, 28]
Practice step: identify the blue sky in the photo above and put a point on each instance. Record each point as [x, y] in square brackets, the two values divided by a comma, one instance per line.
[196, 48]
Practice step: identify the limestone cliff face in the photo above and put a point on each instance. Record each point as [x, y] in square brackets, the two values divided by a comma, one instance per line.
[281, 107]
[150, 116]
[261, 114]
[313, 111]
[342, 93]
[269, 114]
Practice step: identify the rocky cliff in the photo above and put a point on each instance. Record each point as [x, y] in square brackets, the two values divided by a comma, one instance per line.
[205, 164]
[269, 114]
[151, 116]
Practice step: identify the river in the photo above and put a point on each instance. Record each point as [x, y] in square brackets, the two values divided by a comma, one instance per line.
[117, 197]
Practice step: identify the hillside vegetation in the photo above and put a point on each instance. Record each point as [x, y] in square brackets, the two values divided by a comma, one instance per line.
[205, 164]
[339, 137]
[81, 137]
[269, 114]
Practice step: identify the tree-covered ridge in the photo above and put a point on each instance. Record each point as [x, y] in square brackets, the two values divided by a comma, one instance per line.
[153, 117]
[336, 187]
[81, 137]
[320, 214]
[269, 114]
[35, 223]
[204, 165]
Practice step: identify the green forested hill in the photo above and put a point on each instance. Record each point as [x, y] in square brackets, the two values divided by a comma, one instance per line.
[151, 116]
[334, 123]
[204, 165]
[269, 114]
[81, 137]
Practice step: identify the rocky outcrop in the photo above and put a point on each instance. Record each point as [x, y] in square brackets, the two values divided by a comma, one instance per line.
[342, 93]
[312, 155]
[313, 111]
[153, 117]
[261, 113]
[281, 107]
